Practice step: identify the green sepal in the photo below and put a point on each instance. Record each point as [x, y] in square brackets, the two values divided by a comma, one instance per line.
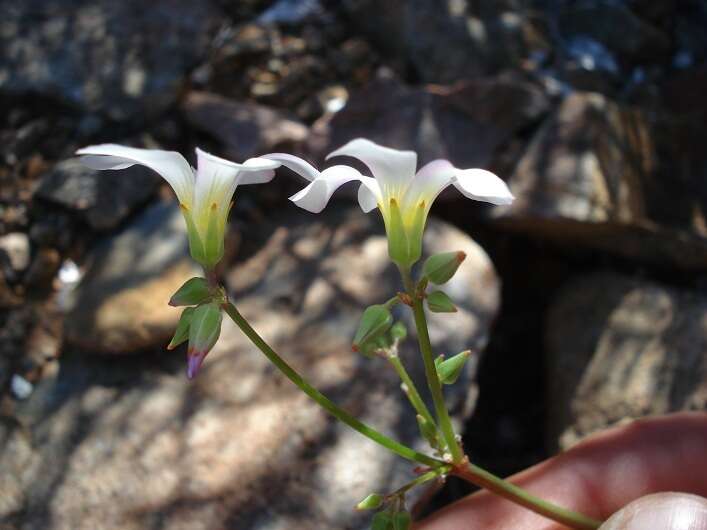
[439, 302]
[398, 247]
[196, 245]
[439, 268]
[375, 321]
[194, 291]
[402, 521]
[382, 521]
[213, 245]
[398, 331]
[205, 328]
[181, 334]
[428, 430]
[371, 502]
[448, 371]
[415, 232]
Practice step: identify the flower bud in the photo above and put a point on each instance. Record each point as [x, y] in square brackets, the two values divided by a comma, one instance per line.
[375, 321]
[194, 291]
[371, 502]
[181, 334]
[439, 302]
[428, 430]
[204, 330]
[398, 331]
[449, 371]
[439, 268]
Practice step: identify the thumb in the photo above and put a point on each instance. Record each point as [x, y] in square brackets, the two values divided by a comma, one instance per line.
[661, 511]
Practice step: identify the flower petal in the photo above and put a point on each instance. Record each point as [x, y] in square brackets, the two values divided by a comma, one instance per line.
[482, 185]
[429, 182]
[392, 168]
[170, 165]
[298, 165]
[257, 171]
[316, 195]
[369, 194]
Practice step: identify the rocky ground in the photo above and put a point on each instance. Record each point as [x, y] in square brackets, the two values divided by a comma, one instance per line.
[585, 298]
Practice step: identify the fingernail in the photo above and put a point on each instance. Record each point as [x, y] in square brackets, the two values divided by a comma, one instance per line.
[661, 511]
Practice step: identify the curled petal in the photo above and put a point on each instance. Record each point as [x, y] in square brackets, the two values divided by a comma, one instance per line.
[369, 194]
[392, 168]
[316, 195]
[482, 185]
[169, 165]
[298, 165]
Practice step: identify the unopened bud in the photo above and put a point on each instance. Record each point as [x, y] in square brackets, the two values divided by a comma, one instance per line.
[194, 291]
[440, 268]
[428, 430]
[375, 321]
[181, 334]
[371, 502]
[398, 331]
[439, 302]
[204, 331]
[448, 371]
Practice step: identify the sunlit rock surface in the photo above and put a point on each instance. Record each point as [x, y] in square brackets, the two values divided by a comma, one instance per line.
[120, 306]
[129, 443]
[621, 348]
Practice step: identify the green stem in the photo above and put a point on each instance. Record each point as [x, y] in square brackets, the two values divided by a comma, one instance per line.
[443, 419]
[425, 477]
[321, 399]
[411, 392]
[482, 478]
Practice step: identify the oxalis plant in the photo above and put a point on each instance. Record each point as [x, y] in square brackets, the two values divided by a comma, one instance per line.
[403, 197]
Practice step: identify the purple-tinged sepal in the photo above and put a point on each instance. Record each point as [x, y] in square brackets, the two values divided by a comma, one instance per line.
[204, 331]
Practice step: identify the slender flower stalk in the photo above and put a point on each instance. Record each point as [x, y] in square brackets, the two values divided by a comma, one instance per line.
[321, 399]
[482, 478]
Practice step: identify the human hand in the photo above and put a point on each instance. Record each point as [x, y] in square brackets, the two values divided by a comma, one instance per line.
[602, 475]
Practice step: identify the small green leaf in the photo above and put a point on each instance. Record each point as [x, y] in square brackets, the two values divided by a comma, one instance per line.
[382, 521]
[194, 291]
[182, 332]
[375, 321]
[402, 521]
[439, 268]
[439, 302]
[371, 502]
[448, 371]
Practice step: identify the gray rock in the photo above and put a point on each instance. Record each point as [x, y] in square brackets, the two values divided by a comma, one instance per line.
[103, 198]
[125, 60]
[598, 173]
[621, 348]
[129, 443]
[121, 303]
[634, 40]
[467, 123]
[448, 41]
[245, 129]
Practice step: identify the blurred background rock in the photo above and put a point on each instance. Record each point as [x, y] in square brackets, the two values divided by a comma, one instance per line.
[586, 298]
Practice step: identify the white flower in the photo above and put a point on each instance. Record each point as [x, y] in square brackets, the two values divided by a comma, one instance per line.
[204, 193]
[403, 196]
